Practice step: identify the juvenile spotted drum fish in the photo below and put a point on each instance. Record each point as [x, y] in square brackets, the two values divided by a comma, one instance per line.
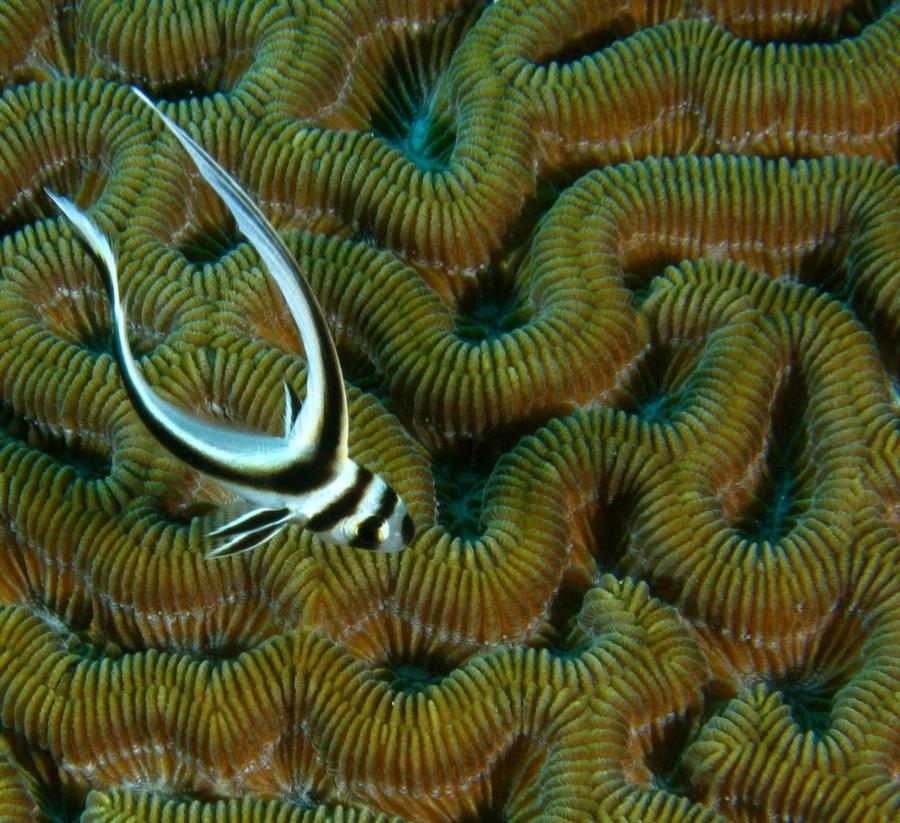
[304, 476]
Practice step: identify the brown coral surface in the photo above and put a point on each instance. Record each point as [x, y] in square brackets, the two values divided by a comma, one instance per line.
[616, 291]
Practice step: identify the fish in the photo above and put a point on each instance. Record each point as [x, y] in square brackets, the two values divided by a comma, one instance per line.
[304, 476]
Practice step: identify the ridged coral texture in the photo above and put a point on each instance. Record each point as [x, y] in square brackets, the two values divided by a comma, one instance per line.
[615, 287]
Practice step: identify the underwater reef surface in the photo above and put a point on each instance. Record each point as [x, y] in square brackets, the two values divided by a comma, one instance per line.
[616, 290]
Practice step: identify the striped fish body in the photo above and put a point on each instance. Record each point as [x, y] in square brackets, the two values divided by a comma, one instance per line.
[305, 476]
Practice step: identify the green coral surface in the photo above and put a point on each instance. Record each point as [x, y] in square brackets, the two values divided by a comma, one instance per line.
[616, 292]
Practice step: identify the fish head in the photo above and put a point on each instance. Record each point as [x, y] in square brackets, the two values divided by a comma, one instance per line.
[382, 524]
[364, 512]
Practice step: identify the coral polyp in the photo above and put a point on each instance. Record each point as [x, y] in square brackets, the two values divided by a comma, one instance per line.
[614, 287]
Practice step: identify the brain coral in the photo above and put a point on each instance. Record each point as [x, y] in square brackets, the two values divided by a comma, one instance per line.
[616, 291]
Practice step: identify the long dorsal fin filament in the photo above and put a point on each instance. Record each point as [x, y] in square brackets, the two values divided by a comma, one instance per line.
[323, 423]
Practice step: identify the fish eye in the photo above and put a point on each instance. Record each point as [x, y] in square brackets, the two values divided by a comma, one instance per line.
[369, 533]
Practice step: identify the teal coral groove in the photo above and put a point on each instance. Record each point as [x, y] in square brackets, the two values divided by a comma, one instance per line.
[615, 287]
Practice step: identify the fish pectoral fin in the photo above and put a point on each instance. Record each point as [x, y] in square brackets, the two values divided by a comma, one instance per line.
[292, 406]
[248, 531]
[244, 541]
[258, 518]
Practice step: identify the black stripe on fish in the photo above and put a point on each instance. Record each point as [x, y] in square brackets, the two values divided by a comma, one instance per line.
[387, 504]
[407, 529]
[342, 505]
